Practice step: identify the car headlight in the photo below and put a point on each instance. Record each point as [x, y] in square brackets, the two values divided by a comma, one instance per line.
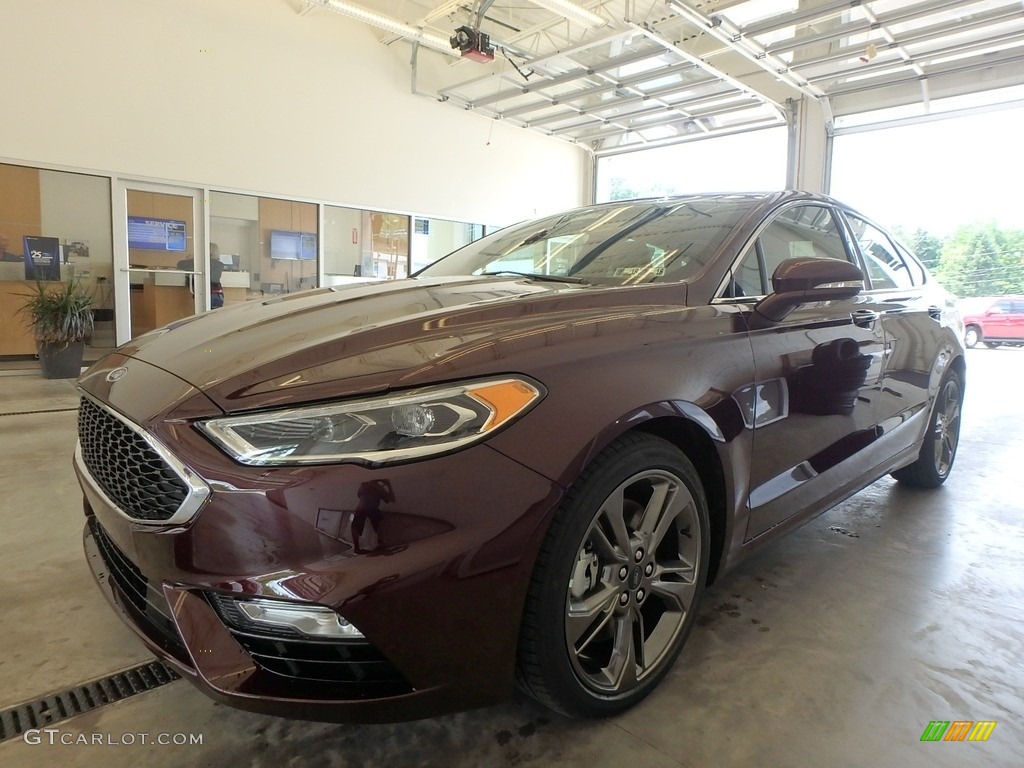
[380, 430]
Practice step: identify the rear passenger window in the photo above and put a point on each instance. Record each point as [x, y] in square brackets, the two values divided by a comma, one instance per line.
[803, 230]
[884, 263]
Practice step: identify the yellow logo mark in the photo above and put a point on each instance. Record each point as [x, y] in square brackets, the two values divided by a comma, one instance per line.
[982, 730]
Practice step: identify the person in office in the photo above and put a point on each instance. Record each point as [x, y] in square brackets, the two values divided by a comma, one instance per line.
[4, 254]
[216, 270]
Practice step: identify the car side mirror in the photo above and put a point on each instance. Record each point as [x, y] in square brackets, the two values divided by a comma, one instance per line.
[802, 280]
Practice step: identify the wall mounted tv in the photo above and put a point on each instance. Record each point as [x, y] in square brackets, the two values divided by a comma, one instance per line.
[153, 234]
[292, 245]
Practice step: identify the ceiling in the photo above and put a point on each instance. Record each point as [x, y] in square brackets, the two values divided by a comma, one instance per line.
[627, 74]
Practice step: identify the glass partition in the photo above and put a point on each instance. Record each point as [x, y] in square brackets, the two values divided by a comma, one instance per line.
[165, 259]
[74, 209]
[263, 246]
[434, 238]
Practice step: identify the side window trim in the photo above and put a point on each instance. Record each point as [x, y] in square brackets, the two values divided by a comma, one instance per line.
[918, 275]
[762, 267]
[754, 241]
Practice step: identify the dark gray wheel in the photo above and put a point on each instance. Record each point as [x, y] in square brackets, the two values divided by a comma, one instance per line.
[940, 443]
[972, 336]
[617, 581]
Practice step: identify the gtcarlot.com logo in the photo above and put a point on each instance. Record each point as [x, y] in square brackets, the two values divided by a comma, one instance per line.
[57, 737]
[958, 730]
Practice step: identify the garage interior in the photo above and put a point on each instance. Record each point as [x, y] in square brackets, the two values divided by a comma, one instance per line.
[837, 645]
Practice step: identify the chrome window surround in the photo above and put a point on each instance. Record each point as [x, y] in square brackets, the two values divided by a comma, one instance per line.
[198, 490]
[852, 254]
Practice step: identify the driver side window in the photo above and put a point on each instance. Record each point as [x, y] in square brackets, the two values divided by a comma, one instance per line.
[803, 230]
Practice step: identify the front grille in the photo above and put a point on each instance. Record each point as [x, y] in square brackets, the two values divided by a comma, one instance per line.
[126, 467]
[315, 668]
[145, 602]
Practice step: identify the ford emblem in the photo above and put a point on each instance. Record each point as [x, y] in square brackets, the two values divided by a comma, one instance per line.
[117, 374]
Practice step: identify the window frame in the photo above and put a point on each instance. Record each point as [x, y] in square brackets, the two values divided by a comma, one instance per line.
[905, 255]
[853, 254]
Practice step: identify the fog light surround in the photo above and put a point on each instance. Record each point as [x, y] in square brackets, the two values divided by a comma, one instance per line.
[305, 619]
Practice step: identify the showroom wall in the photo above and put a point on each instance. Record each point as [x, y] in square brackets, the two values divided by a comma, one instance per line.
[248, 94]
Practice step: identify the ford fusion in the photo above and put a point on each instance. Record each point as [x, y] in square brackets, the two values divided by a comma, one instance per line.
[521, 466]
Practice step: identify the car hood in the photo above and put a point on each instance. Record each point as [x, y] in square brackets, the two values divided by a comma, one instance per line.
[366, 337]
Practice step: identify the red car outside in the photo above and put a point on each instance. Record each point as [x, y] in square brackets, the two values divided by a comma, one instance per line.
[994, 321]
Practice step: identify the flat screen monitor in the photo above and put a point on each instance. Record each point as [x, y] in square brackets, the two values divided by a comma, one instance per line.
[308, 246]
[153, 234]
[292, 245]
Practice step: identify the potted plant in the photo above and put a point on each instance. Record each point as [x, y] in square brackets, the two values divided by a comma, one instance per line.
[60, 315]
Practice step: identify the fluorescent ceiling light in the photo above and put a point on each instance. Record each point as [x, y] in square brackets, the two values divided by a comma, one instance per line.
[573, 12]
[389, 24]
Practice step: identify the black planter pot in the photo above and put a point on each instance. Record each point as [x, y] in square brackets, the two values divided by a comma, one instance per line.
[61, 361]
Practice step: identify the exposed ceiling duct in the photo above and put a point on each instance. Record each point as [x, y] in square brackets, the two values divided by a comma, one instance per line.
[388, 24]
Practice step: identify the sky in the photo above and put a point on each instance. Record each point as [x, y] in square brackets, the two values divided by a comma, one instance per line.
[934, 176]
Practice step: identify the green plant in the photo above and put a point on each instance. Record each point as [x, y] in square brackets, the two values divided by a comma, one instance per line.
[59, 313]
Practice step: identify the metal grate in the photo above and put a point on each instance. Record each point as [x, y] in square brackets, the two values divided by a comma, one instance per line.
[126, 467]
[63, 705]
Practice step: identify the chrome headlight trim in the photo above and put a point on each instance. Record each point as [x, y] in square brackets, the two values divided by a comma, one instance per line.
[224, 430]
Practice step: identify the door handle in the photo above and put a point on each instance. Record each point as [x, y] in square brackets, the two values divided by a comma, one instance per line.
[864, 318]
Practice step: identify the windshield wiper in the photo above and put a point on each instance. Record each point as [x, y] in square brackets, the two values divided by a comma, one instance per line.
[536, 276]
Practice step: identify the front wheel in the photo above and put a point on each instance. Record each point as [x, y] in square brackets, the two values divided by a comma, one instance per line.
[972, 336]
[615, 589]
[935, 461]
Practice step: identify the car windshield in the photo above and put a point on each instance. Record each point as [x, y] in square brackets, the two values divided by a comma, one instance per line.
[615, 244]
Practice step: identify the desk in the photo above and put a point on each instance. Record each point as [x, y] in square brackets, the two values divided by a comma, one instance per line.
[154, 306]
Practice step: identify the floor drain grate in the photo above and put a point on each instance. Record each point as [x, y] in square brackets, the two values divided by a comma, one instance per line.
[66, 704]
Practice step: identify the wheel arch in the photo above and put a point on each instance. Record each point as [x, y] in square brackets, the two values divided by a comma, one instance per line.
[699, 447]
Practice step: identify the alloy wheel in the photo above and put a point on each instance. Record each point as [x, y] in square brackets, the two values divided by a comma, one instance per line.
[947, 427]
[634, 582]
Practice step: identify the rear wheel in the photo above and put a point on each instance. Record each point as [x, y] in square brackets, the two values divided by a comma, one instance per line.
[616, 585]
[972, 336]
[940, 443]
[993, 344]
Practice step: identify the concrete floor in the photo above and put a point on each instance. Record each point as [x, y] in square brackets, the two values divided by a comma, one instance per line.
[833, 647]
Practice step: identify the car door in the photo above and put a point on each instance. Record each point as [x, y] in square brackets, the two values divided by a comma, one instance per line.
[911, 319]
[812, 405]
[1010, 321]
[998, 320]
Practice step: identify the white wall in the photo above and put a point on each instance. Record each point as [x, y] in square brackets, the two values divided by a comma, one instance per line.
[249, 95]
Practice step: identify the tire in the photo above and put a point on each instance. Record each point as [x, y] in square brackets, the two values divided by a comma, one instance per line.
[938, 451]
[972, 336]
[617, 582]
[993, 344]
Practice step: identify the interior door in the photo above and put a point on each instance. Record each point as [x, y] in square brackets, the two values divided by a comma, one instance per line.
[160, 248]
[818, 374]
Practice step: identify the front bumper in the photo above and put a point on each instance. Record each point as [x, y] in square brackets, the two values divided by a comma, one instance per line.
[435, 581]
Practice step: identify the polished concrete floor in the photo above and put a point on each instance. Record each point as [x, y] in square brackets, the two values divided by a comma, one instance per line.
[833, 647]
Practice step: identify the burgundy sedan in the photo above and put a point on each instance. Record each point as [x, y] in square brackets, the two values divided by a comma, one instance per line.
[522, 465]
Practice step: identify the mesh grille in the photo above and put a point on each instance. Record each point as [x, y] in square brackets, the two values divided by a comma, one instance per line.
[144, 600]
[124, 465]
